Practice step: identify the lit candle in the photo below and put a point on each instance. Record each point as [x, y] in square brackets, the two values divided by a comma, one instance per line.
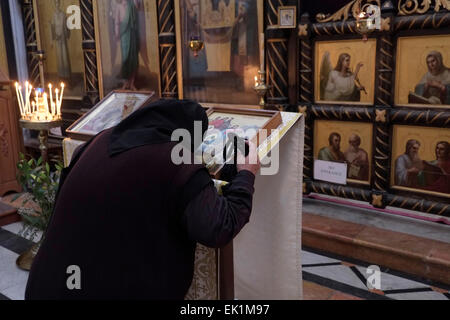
[26, 96]
[57, 100]
[18, 99]
[47, 110]
[262, 52]
[28, 106]
[61, 97]
[21, 96]
[256, 81]
[51, 98]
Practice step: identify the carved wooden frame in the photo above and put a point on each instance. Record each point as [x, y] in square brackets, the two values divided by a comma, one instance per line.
[382, 114]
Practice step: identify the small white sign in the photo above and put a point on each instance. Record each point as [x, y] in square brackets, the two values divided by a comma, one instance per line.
[335, 172]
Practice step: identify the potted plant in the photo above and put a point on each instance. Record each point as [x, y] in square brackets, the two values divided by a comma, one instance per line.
[40, 185]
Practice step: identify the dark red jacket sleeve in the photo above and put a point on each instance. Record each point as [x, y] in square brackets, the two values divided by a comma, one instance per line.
[214, 220]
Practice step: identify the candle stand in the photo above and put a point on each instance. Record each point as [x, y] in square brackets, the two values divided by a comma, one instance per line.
[43, 128]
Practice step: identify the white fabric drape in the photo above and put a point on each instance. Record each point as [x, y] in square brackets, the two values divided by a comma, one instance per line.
[267, 262]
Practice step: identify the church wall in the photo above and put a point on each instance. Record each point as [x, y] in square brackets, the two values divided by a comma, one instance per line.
[386, 103]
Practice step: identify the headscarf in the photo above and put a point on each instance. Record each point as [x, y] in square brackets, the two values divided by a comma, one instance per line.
[155, 123]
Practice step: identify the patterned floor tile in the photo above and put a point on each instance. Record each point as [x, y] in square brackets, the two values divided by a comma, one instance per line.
[391, 282]
[309, 258]
[10, 274]
[430, 295]
[16, 292]
[338, 273]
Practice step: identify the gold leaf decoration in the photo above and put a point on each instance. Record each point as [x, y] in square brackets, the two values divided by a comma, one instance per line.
[377, 200]
[302, 30]
[302, 109]
[408, 7]
[386, 24]
[344, 12]
[381, 116]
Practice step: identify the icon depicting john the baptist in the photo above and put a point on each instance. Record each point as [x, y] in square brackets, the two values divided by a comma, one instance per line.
[340, 83]
[434, 87]
[129, 40]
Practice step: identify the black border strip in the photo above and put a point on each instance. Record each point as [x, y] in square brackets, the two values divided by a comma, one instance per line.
[321, 264]
[359, 275]
[412, 290]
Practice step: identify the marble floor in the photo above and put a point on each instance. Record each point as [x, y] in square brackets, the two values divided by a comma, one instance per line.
[326, 276]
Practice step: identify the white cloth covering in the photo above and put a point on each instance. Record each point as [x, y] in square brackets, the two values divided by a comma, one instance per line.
[267, 252]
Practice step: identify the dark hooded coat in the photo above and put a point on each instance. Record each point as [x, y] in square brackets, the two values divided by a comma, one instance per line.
[130, 219]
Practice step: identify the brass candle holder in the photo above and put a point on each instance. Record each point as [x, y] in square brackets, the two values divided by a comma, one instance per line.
[261, 87]
[196, 45]
[43, 128]
[41, 113]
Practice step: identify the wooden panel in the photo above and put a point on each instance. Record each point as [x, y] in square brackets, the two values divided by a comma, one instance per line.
[9, 143]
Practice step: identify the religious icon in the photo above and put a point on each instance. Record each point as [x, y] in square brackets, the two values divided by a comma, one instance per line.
[287, 17]
[127, 60]
[346, 142]
[340, 83]
[332, 152]
[109, 112]
[428, 83]
[60, 35]
[345, 71]
[62, 46]
[224, 71]
[424, 162]
[434, 87]
[126, 31]
[245, 123]
[357, 159]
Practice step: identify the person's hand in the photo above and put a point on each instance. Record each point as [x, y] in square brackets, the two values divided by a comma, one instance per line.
[251, 162]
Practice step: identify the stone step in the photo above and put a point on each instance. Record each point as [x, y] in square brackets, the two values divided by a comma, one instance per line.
[412, 254]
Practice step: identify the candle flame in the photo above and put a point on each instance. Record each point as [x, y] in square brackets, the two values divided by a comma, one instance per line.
[42, 107]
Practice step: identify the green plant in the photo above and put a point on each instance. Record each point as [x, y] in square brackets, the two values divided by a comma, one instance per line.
[40, 185]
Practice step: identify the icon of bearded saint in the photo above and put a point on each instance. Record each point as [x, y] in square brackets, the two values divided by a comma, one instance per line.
[434, 87]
